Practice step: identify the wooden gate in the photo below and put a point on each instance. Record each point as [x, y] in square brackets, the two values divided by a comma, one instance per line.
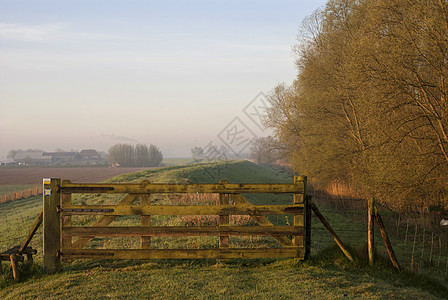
[59, 242]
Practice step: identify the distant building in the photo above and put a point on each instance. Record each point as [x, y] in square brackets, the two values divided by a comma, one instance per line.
[61, 157]
[40, 157]
[89, 154]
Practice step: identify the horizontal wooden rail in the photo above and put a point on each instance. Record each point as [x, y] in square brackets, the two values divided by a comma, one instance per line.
[227, 188]
[119, 210]
[63, 240]
[181, 253]
[182, 231]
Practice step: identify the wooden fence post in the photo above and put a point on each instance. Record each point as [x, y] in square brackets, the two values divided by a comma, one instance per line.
[371, 228]
[15, 266]
[331, 231]
[52, 225]
[392, 256]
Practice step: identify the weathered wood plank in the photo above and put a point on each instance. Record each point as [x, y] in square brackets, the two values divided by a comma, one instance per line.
[224, 220]
[262, 221]
[66, 220]
[228, 188]
[299, 219]
[104, 221]
[51, 226]
[182, 253]
[182, 231]
[119, 209]
[145, 241]
[7, 257]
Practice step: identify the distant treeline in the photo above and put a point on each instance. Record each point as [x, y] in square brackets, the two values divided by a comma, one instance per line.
[369, 106]
[125, 155]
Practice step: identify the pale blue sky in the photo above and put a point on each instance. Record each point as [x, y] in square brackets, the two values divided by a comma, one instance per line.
[90, 73]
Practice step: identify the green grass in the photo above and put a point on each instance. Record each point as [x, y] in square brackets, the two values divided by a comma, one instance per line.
[211, 172]
[328, 275]
[177, 161]
[16, 219]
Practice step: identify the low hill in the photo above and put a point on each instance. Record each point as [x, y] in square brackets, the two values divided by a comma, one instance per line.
[328, 275]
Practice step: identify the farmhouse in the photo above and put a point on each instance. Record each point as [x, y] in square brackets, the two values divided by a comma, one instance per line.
[89, 154]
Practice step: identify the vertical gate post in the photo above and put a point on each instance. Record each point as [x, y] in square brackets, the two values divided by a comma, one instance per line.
[307, 226]
[299, 220]
[51, 225]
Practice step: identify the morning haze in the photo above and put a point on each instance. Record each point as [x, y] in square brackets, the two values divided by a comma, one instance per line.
[90, 74]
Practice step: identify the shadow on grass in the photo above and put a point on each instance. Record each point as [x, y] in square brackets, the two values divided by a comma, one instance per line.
[83, 265]
[27, 271]
[381, 270]
[330, 259]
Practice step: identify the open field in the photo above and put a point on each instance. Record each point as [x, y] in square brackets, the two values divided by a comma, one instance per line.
[5, 189]
[328, 275]
[19, 176]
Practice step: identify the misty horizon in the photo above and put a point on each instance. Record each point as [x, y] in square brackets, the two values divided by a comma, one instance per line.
[176, 74]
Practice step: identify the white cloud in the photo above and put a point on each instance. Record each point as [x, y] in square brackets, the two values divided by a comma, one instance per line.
[54, 32]
[29, 33]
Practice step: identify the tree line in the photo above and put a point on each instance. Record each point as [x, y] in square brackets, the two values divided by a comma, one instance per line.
[266, 150]
[126, 155]
[369, 104]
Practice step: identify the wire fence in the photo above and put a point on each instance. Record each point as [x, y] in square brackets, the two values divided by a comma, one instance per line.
[419, 240]
[16, 220]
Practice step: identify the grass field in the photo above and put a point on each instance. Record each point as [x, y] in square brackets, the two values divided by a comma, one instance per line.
[328, 275]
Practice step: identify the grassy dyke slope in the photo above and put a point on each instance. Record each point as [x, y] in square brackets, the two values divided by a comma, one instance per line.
[328, 275]
[233, 171]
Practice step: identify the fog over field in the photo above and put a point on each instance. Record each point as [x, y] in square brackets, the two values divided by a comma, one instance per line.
[90, 74]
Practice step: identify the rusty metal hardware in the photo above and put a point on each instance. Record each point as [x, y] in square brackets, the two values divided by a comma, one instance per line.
[84, 210]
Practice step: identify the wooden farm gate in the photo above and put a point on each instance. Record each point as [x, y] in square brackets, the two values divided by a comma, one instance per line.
[58, 231]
